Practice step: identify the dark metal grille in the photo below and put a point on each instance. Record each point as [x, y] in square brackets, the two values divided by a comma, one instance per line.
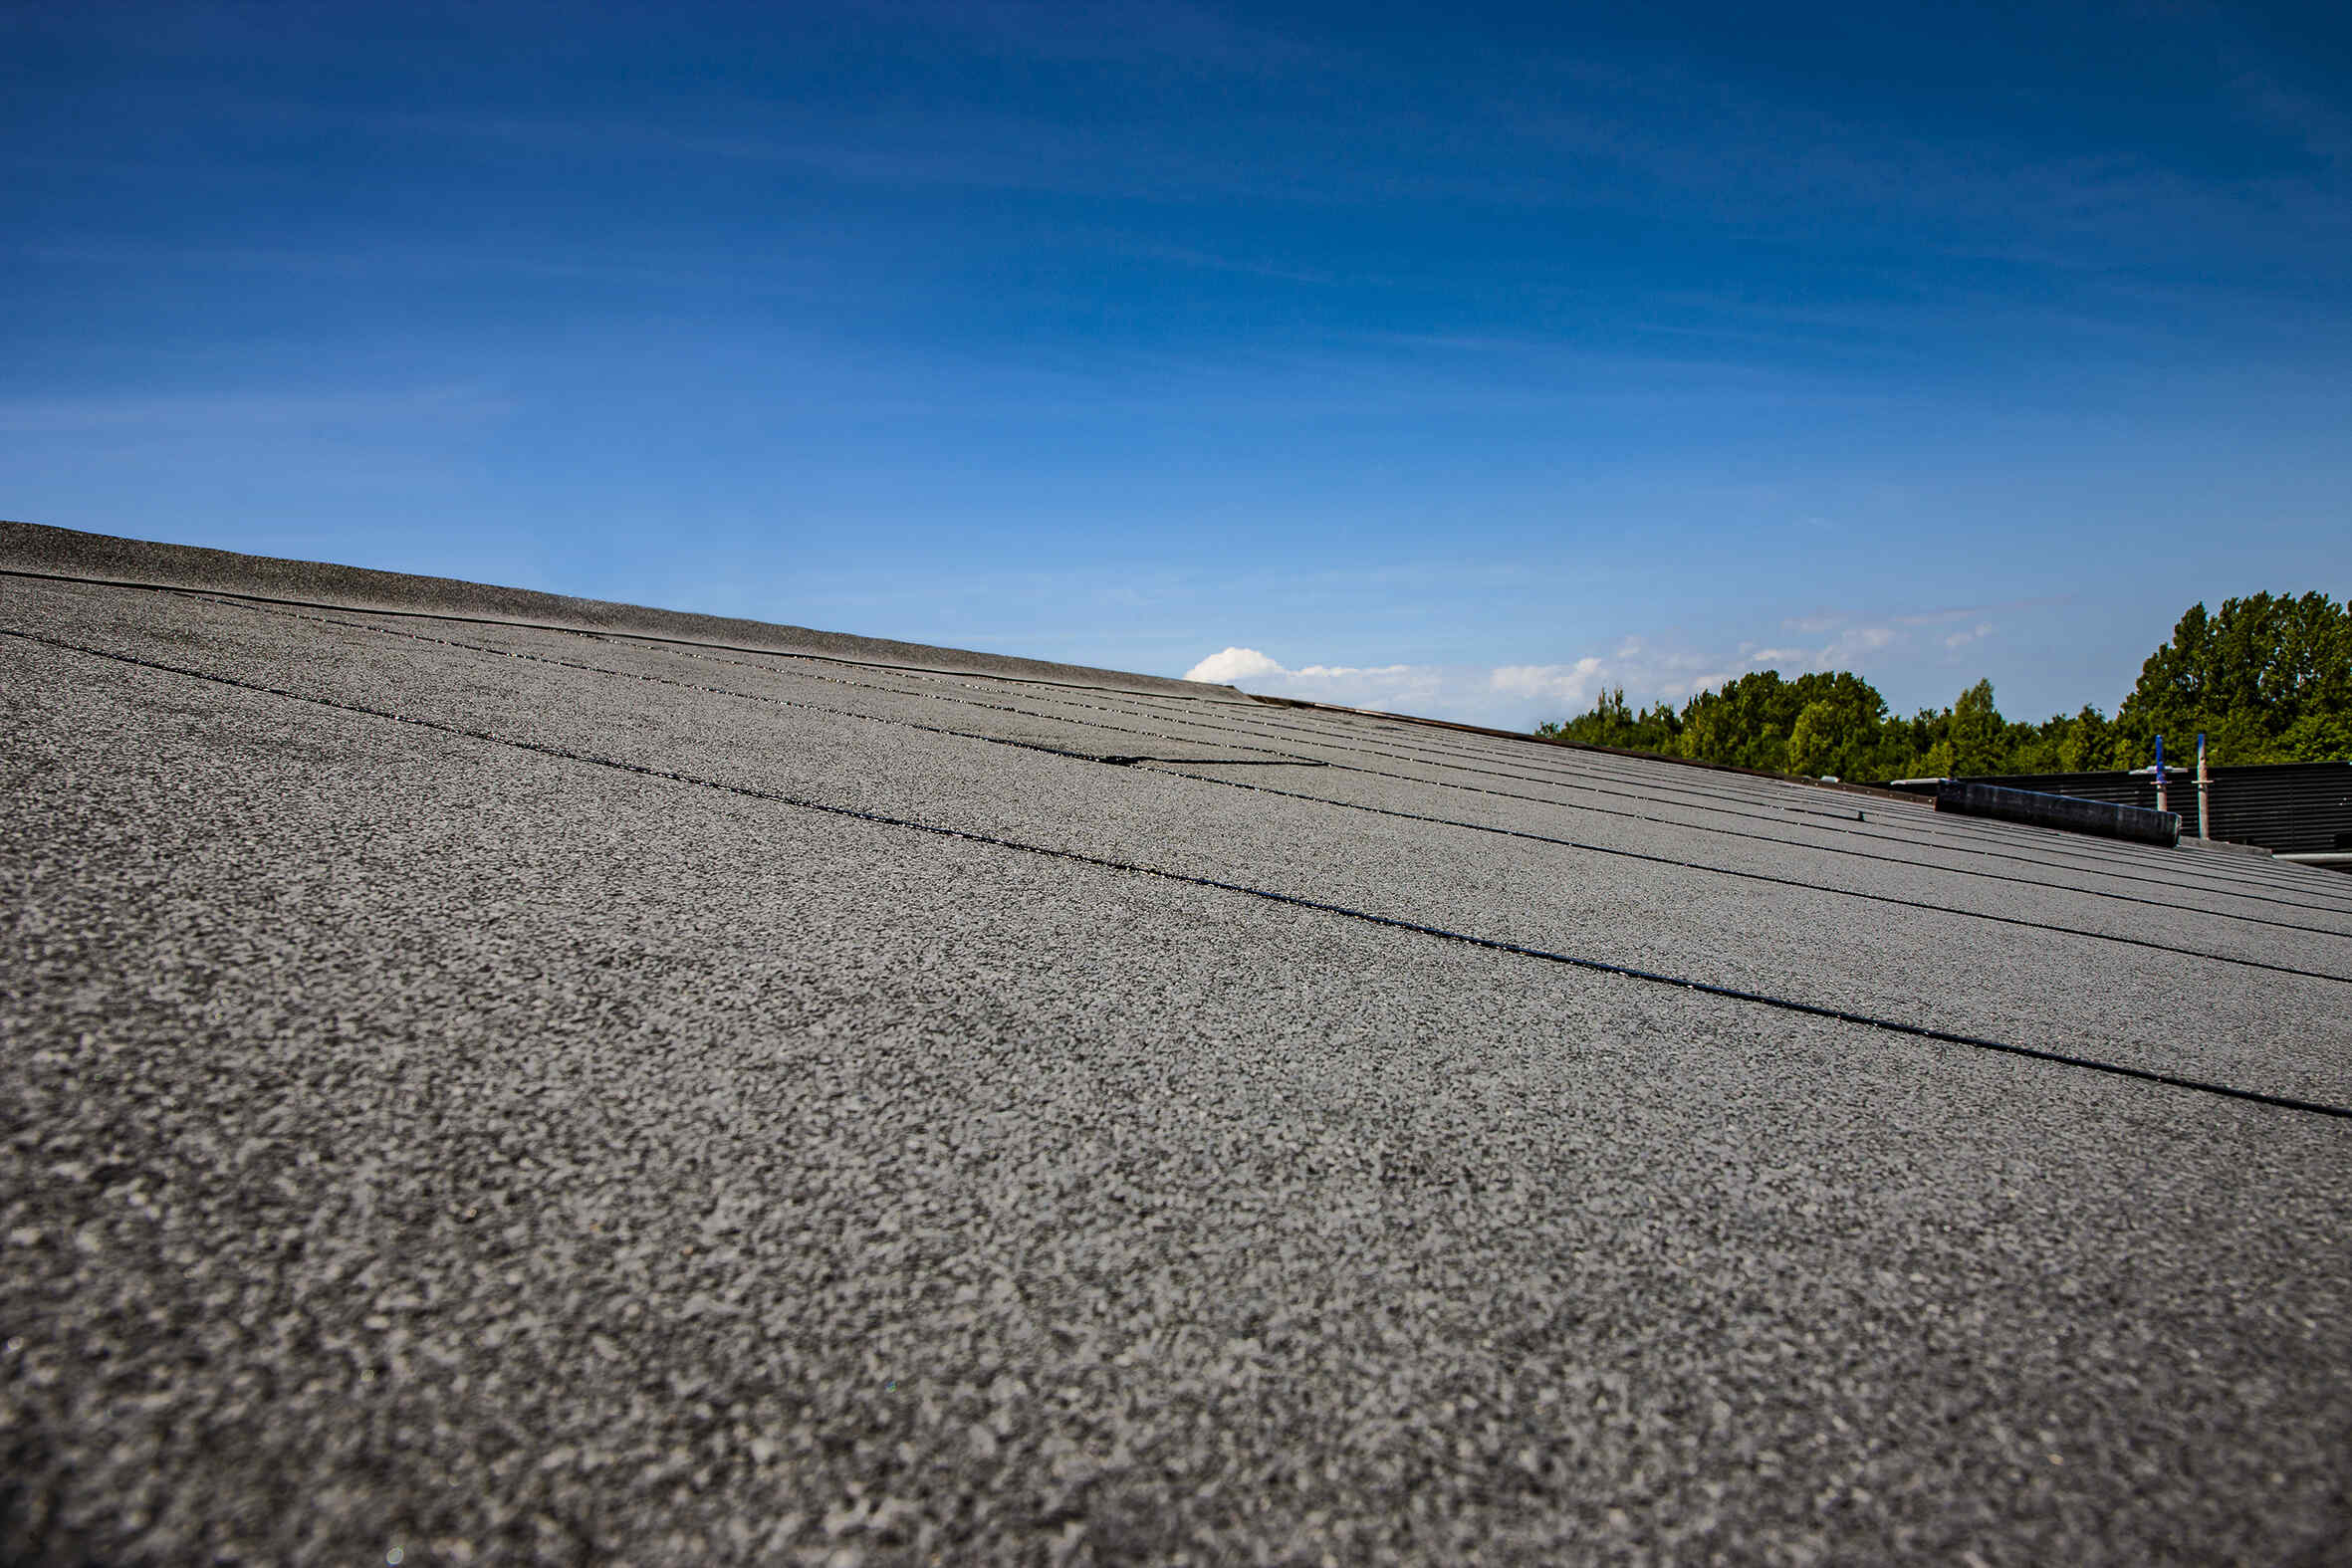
[2291, 807]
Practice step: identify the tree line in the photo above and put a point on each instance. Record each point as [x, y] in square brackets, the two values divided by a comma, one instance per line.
[2268, 679]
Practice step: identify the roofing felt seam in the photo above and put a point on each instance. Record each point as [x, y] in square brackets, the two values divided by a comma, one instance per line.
[1927, 839]
[1589, 766]
[1755, 816]
[237, 602]
[1271, 758]
[2088, 859]
[1401, 721]
[1401, 725]
[1569, 844]
[251, 601]
[2070, 862]
[1115, 759]
[1544, 955]
[576, 632]
[1700, 801]
[1760, 876]
[2253, 869]
[1952, 847]
[929, 673]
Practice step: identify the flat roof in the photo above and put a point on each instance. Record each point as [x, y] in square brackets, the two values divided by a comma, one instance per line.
[492, 1075]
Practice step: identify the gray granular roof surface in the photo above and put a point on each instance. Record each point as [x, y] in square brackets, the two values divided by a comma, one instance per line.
[495, 1079]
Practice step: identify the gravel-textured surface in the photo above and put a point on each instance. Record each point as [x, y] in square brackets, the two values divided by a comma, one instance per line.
[418, 1143]
[31, 546]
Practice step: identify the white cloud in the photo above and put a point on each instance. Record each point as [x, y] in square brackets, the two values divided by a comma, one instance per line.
[1960, 639]
[1849, 645]
[1509, 696]
[1234, 664]
[1520, 696]
[1576, 683]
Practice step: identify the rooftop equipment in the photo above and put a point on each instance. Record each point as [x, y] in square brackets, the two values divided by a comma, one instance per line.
[2287, 807]
[2065, 812]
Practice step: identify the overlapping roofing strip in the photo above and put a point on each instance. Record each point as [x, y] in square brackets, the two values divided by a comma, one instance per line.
[1178, 754]
[1234, 717]
[1173, 748]
[2286, 1102]
[1225, 719]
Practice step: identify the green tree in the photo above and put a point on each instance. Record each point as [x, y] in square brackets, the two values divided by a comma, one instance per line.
[1841, 729]
[2268, 680]
[1976, 733]
[1745, 723]
[1815, 739]
[1613, 722]
[2088, 742]
[2318, 736]
[1752, 722]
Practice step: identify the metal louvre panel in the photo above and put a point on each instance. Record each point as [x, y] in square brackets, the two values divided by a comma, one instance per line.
[2290, 808]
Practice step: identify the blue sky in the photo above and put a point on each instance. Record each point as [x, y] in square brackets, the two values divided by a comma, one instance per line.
[1460, 360]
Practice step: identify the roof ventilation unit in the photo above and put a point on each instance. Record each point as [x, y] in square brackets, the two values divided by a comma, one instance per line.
[2065, 812]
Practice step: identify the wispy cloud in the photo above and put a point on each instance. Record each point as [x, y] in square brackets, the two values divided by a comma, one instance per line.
[1118, 32]
[235, 411]
[1755, 157]
[2321, 130]
[966, 148]
[1507, 696]
[1819, 621]
[1668, 668]
[1208, 261]
[377, 260]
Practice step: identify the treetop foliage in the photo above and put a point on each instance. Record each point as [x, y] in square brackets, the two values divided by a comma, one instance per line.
[2268, 679]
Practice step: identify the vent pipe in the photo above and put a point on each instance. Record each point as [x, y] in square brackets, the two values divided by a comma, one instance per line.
[2204, 788]
[2065, 812]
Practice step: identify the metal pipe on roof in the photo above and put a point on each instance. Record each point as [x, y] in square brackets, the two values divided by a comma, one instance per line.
[2065, 812]
[2204, 793]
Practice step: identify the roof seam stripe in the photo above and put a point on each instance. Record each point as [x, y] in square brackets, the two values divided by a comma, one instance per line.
[2068, 864]
[251, 600]
[1139, 695]
[2086, 859]
[2089, 854]
[1783, 1004]
[1271, 758]
[576, 631]
[2069, 857]
[1781, 881]
[1416, 817]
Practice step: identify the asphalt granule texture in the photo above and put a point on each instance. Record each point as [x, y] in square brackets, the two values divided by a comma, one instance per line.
[412, 1145]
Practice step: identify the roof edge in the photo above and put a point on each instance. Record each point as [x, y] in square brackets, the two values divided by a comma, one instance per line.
[41, 549]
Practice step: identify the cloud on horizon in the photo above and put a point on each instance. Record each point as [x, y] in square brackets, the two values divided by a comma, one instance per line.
[1522, 696]
[1510, 695]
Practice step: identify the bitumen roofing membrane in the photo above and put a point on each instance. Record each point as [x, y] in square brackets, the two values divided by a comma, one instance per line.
[490, 1078]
